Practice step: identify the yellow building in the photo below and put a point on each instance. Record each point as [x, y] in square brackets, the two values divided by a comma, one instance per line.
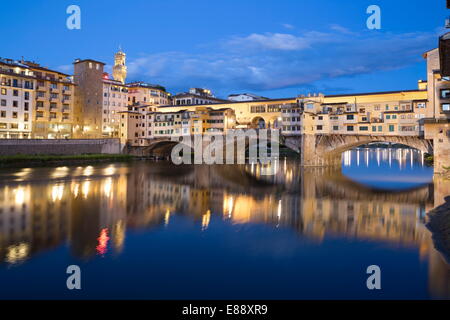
[53, 114]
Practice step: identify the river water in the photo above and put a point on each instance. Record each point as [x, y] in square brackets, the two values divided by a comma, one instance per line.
[152, 230]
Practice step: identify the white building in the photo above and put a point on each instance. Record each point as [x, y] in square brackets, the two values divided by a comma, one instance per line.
[17, 85]
[241, 97]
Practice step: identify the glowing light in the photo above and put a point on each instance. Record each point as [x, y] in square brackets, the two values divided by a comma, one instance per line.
[85, 189]
[110, 170]
[76, 189]
[103, 239]
[23, 174]
[60, 172]
[205, 220]
[17, 253]
[167, 218]
[107, 187]
[19, 195]
[57, 192]
[230, 206]
[279, 210]
[88, 171]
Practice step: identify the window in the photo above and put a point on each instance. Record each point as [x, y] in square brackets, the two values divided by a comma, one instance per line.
[3, 114]
[3, 103]
[15, 104]
[14, 115]
[445, 107]
[365, 128]
[445, 93]
[394, 116]
[374, 128]
[391, 128]
[27, 95]
[350, 117]
[350, 128]
[388, 116]
[319, 127]
[335, 128]
[4, 91]
[380, 128]
[15, 93]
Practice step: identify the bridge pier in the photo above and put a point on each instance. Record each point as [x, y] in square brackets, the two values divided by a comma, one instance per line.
[311, 155]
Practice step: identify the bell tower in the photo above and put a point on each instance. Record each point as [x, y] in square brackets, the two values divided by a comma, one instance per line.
[120, 69]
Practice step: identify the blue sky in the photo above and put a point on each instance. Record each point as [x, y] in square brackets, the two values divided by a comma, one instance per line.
[274, 48]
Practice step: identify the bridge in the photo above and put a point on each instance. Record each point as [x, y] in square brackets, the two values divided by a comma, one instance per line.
[314, 149]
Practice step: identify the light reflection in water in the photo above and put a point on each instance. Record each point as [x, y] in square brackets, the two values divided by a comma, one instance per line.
[93, 207]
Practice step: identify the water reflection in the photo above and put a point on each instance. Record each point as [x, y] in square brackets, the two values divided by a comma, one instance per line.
[92, 208]
[387, 168]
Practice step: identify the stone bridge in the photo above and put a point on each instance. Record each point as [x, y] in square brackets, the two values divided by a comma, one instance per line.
[314, 150]
[322, 150]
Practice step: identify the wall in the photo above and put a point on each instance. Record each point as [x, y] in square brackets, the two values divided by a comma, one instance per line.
[58, 147]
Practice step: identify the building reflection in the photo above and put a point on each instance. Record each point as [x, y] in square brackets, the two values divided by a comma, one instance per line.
[91, 209]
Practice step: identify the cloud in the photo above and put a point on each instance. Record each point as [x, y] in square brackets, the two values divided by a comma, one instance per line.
[271, 61]
[288, 26]
[67, 68]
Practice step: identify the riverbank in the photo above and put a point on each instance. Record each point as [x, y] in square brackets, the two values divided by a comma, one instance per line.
[439, 225]
[51, 160]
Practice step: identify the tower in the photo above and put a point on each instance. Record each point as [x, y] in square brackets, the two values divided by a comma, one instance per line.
[120, 69]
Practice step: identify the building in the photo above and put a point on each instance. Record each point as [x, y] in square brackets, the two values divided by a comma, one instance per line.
[138, 126]
[53, 114]
[120, 68]
[115, 100]
[195, 96]
[35, 102]
[88, 113]
[17, 90]
[437, 122]
[141, 93]
[377, 113]
[245, 97]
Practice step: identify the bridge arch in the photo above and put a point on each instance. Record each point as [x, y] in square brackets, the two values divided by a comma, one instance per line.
[258, 122]
[327, 149]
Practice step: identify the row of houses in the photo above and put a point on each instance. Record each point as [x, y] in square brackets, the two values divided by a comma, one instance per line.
[37, 102]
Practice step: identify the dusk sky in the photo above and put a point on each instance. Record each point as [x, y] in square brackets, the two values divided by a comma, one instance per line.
[272, 48]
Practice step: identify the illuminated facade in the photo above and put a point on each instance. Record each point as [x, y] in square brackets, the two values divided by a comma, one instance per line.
[53, 113]
[35, 102]
[120, 68]
[115, 100]
[17, 90]
[139, 126]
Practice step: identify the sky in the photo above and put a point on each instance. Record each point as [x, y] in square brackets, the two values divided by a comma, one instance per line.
[280, 48]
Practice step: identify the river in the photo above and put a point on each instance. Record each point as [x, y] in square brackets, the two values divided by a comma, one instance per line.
[152, 230]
